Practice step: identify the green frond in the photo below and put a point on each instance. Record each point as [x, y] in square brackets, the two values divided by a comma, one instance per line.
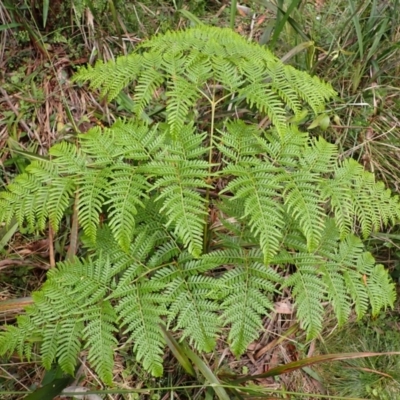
[68, 158]
[183, 210]
[59, 197]
[141, 313]
[280, 83]
[357, 290]
[58, 189]
[381, 289]
[92, 191]
[183, 206]
[181, 93]
[50, 344]
[287, 150]
[319, 156]
[336, 291]
[124, 70]
[198, 68]
[308, 291]
[340, 200]
[19, 201]
[100, 340]
[258, 95]
[148, 81]
[100, 146]
[313, 91]
[135, 140]
[132, 265]
[183, 62]
[355, 196]
[20, 339]
[259, 187]
[303, 204]
[225, 71]
[190, 309]
[188, 144]
[69, 344]
[245, 291]
[126, 189]
[167, 251]
[240, 140]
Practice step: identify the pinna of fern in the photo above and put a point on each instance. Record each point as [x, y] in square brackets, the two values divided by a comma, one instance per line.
[282, 199]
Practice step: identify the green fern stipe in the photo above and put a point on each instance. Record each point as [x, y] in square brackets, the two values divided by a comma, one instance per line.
[204, 213]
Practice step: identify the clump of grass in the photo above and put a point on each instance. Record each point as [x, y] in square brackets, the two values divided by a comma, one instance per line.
[371, 378]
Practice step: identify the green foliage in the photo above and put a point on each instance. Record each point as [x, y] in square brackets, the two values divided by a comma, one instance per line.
[283, 206]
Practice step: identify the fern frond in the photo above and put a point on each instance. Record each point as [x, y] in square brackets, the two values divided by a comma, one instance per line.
[319, 156]
[190, 309]
[223, 56]
[191, 209]
[147, 82]
[266, 101]
[244, 291]
[20, 339]
[259, 187]
[101, 146]
[141, 313]
[355, 196]
[280, 82]
[69, 344]
[302, 200]
[181, 93]
[308, 291]
[68, 159]
[315, 94]
[55, 189]
[198, 68]
[336, 291]
[137, 141]
[240, 140]
[124, 70]
[184, 207]
[100, 339]
[381, 290]
[126, 189]
[92, 189]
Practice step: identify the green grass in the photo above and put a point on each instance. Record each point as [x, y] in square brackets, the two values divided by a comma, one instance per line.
[371, 378]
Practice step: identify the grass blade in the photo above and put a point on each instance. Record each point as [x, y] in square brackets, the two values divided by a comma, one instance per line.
[356, 21]
[293, 366]
[233, 14]
[284, 15]
[45, 12]
[178, 351]
[208, 374]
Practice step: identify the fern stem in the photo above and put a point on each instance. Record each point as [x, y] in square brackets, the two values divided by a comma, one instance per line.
[213, 104]
[209, 178]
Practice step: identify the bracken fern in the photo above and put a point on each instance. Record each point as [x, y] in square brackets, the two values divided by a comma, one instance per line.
[204, 212]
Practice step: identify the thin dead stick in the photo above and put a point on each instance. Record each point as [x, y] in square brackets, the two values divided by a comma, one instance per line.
[14, 305]
[73, 239]
[19, 263]
[51, 248]
[14, 378]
